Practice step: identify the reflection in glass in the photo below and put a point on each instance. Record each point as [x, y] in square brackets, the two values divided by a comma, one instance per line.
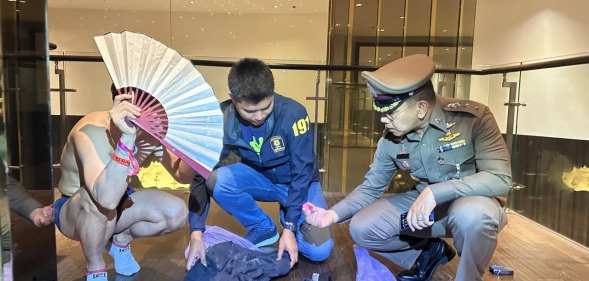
[5, 234]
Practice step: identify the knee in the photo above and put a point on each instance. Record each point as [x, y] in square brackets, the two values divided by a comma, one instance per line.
[315, 243]
[221, 181]
[319, 253]
[473, 221]
[176, 216]
[361, 231]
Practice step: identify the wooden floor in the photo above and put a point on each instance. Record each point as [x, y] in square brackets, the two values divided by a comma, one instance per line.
[532, 250]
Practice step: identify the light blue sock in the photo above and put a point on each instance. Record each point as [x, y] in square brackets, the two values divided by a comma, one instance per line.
[125, 263]
[98, 275]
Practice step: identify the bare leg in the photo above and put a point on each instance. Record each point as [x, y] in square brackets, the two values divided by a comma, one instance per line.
[81, 221]
[153, 213]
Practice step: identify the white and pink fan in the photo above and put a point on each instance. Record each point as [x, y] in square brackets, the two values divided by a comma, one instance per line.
[178, 107]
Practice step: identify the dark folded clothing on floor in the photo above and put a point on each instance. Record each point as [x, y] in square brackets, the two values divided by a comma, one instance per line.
[230, 262]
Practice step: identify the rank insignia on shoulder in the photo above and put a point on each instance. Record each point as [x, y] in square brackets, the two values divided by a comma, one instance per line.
[449, 136]
[452, 146]
[453, 105]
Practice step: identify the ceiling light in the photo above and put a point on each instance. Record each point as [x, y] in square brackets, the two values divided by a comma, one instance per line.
[401, 17]
[359, 4]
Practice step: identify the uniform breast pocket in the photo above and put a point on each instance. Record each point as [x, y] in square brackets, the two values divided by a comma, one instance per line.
[405, 164]
[457, 163]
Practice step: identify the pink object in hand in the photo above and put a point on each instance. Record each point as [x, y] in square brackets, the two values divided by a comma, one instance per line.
[309, 207]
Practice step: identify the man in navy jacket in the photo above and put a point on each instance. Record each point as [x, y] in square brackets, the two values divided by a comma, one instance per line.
[272, 137]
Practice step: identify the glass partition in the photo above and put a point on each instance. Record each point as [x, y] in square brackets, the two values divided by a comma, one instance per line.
[551, 150]
[5, 233]
[352, 132]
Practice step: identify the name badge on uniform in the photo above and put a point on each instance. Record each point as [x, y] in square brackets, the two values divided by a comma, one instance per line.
[403, 155]
[449, 136]
[452, 146]
[277, 144]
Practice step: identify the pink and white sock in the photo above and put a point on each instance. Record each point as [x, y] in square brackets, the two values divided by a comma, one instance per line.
[97, 275]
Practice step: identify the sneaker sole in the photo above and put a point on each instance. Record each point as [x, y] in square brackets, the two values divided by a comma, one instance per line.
[268, 241]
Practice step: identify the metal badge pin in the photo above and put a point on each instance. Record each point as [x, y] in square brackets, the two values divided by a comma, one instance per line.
[457, 176]
[449, 136]
[440, 160]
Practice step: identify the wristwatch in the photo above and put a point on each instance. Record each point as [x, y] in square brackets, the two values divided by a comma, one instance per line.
[290, 226]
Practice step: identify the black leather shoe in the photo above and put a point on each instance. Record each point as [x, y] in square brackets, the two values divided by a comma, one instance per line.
[437, 253]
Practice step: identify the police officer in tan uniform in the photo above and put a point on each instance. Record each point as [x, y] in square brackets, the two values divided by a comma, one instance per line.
[455, 152]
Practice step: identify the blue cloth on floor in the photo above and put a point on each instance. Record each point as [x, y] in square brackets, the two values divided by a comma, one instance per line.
[228, 261]
[369, 269]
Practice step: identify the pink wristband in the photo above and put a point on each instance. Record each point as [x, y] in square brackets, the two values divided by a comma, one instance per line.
[134, 167]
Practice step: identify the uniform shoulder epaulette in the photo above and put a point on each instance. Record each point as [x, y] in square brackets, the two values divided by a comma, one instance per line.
[468, 106]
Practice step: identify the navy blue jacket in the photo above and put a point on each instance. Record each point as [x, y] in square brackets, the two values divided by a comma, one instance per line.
[286, 156]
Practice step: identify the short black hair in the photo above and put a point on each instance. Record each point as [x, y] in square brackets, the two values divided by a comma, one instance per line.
[426, 93]
[251, 80]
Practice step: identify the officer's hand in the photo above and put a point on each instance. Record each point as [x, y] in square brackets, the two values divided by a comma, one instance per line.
[418, 215]
[288, 242]
[317, 216]
[122, 111]
[195, 250]
[42, 216]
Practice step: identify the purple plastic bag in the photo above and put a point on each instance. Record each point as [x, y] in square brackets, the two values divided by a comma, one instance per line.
[369, 269]
[214, 235]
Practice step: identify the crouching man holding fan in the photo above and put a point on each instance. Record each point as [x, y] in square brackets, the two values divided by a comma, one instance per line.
[152, 105]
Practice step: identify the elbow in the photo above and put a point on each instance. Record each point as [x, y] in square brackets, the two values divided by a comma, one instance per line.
[184, 177]
[107, 205]
[104, 202]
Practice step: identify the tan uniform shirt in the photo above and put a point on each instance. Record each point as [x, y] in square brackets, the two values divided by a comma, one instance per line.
[461, 153]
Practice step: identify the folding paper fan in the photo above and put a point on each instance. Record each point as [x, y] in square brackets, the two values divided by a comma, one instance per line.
[178, 107]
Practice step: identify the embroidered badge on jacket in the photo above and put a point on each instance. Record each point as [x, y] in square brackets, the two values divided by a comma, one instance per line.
[277, 144]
